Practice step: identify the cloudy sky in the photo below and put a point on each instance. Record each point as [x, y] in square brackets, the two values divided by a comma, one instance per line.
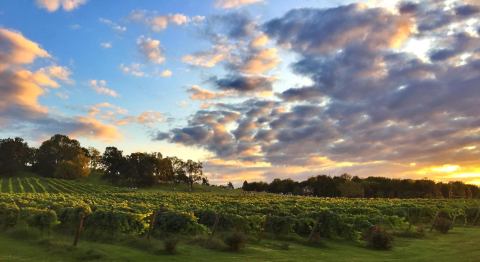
[257, 89]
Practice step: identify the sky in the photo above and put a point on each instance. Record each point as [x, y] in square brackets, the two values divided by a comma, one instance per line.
[255, 89]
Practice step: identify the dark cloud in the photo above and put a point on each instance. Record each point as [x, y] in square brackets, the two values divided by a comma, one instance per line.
[243, 83]
[369, 101]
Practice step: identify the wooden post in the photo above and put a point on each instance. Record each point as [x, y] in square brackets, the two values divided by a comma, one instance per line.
[433, 222]
[476, 217]
[214, 229]
[79, 229]
[312, 233]
[152, 223]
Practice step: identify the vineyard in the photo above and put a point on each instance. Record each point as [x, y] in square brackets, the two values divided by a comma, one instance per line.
[198, 213]
[50, 185]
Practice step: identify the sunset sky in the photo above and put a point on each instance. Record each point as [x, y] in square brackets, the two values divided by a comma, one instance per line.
[257, 89]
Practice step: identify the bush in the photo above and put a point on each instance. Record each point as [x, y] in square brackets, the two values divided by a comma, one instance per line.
[170, 245]
[443, 222]
[107, 224]
[235, 241]
[377, 237]
[43, 219]
[279, 225]
[8, 215]
[171, 222]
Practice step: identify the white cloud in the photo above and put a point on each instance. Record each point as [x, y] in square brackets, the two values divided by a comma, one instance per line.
[134, 69]
[229, 4]
[166, 73]
[159, 23]
[54, 5]
[151, 49]
[100, 86]
[118, 28]
[106, 45]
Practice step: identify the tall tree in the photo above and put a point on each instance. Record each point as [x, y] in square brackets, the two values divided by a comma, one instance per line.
[15, 156]
[194, 171]
[61, 151]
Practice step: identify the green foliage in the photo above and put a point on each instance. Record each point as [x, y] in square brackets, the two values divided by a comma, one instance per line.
[172, 222]
[9, 214]
[443, 222]
[109, 223]
[170, 245]
[235, 241]
[378, 238]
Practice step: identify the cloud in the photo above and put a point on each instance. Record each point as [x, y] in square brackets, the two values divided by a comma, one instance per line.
[134, 69]
[370, 105]
[166, 73]
[198, 93]
[229, 4]
[54, 5]
[261, 61]
[17, 50]
[100, 86]
[116, 27]
[244, 83]
[146, 118]
[119, 116]
[106, 45]
[151, 49]
[208, 59]
[158, 23]
[21, 90]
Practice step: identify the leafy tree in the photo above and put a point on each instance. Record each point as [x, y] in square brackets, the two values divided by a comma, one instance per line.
[59, 150]
[15, 156]
[114, 164]
[95, 158]
[194, 171]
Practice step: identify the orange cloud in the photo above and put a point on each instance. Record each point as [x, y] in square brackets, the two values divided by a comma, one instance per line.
[261, 61]
[229, 4]
[16, 49]
[92, 128]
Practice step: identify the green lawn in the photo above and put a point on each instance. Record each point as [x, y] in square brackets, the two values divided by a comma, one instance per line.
[462, 244]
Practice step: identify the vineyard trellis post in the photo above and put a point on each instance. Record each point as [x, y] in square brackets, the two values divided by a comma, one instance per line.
[314, 229]
[79, 229]
[215, 224]
[152, 224]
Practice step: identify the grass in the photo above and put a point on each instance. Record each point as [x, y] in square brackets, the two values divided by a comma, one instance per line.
[459, 245]
[52, 185]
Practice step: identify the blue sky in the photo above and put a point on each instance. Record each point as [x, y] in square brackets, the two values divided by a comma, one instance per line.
[233, 82]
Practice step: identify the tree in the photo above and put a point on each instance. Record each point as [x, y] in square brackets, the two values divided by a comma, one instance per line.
[230, 185]
[114, 164]
[62, 151]
[15, 156]
[95, 158]
[141, 169]
[194, 171]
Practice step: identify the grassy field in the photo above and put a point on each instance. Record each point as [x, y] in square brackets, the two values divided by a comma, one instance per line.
[461, 244]
[51, 185]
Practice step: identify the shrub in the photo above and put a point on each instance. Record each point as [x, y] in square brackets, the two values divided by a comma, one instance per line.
[108, 224]
[8, 215]
[177, 223]
[377, 237]
[279, 225]
[170, 245]
[443, 222]
[43, 219]
[69, 217]
[235, 241]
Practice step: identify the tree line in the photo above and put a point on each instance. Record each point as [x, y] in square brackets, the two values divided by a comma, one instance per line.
[64, 157]
[370, 187]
